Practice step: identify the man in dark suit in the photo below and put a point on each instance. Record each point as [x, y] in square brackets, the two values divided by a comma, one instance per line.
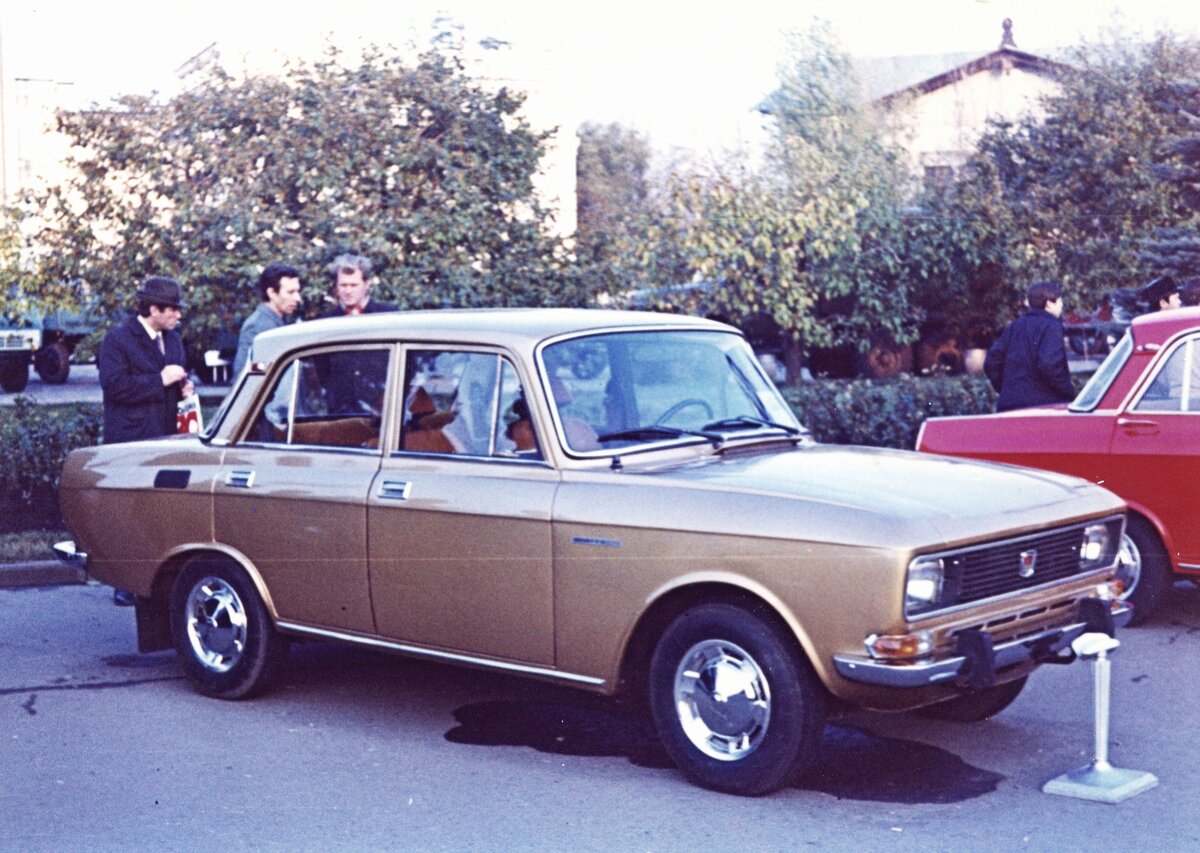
[1028, 364]
[351, 275]
[353, 383]
[142, 376]
[141, 365]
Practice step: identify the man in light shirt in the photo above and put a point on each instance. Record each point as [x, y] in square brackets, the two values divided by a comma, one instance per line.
[279, 287]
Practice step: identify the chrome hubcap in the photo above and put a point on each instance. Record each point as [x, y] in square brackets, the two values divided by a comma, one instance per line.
[722, 699]
[1129, 565]
[216, 624]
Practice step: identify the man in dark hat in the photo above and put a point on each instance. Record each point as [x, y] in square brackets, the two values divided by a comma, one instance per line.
[1162, 294]
[142, 376]
[141, 364]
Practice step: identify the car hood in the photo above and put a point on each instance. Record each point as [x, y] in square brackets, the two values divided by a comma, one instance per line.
[897, 495]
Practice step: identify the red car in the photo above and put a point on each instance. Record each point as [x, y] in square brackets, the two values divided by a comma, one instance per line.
[1134, 429]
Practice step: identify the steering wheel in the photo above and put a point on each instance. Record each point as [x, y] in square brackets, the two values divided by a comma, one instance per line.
[683, 404]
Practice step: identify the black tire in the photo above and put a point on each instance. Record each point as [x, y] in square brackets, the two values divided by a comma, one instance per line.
[226, 641]
[14, 376]
[772, 729]
[977, 705]
[1145, 569]
[53, 363]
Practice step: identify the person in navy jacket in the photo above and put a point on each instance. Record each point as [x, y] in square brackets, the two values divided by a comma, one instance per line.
[141, 365]
[1028, 364]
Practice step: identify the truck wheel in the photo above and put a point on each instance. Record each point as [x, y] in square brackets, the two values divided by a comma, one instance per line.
[1145, 568]
[14, 376]
[222, 631]
[977, 705]
[736, 706]
[53, 363]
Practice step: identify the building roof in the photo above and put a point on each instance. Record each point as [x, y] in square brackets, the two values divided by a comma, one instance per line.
[888, 78]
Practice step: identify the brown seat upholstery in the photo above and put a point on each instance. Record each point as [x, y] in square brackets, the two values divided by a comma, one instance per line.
[344, 432]
[427, 441]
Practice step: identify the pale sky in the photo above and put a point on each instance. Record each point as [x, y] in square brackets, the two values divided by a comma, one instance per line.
[687, 73]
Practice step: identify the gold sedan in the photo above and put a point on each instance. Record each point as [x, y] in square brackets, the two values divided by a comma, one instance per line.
[615, 500]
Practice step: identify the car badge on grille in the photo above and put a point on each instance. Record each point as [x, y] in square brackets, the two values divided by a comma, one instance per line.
[1028, 563]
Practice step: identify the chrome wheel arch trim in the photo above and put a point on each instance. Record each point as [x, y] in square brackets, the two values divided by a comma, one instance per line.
[735, 583]
[439, 654]
[182, 553]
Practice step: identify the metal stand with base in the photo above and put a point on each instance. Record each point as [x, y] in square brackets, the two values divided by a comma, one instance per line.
[1099, 780]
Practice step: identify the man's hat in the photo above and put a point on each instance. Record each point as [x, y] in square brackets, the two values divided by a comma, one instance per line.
[160, 290]
[1161, 288]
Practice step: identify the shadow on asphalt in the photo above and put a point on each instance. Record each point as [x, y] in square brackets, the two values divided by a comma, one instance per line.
[853, 764]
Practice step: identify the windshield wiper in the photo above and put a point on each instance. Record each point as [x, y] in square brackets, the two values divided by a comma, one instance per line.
[748, 421]
[659, 431]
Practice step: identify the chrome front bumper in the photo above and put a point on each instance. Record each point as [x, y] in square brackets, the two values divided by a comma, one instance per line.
[924, 673]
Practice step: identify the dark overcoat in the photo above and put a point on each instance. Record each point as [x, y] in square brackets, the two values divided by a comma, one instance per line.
[1028, 364]
[136, 404]
[374, 306]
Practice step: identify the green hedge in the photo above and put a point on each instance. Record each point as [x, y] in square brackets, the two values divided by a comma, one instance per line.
[884, 412]
[35, 441]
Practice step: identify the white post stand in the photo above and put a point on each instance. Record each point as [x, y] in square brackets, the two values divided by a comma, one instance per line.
[1099, 780]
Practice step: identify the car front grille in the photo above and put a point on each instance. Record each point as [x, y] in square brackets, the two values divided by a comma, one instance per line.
[996, 569]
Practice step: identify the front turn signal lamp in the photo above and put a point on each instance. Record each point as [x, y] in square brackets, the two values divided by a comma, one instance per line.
[900, 647]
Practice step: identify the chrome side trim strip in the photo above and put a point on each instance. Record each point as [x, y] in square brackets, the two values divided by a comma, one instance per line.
[453, 657]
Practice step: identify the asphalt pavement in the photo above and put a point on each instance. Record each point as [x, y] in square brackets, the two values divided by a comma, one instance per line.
[102, 748]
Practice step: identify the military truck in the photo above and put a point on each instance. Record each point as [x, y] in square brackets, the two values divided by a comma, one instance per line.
[44, 340]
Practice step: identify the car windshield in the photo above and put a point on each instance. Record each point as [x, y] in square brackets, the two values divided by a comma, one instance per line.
[622, 389]
[1093, 392]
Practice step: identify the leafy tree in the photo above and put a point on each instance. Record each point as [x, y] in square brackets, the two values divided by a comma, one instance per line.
[414, 165]
[611, 195]
[812, 238]
[1176, 249]
[10, 255]
[1079, 183]
[966, 279]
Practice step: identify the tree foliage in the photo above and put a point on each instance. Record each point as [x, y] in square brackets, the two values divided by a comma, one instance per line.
[413, 165]
[812, 238]
[1079, 183]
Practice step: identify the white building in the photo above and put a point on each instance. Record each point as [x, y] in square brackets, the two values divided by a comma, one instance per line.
[945, 100]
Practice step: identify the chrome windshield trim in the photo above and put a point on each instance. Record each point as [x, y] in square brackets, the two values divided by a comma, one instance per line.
[437, 654]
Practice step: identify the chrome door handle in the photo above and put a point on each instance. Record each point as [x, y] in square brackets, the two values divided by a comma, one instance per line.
[1135, 425]
[396, 490]
[240, 478]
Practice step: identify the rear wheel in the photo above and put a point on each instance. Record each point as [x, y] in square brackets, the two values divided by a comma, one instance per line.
[1145, 569]
[735, 705]
[977, 705]
[53, 363]
[222, 630]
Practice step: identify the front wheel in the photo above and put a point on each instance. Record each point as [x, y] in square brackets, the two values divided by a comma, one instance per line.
[1145, 569]
[222, 630]
[14, 375]
[736, 706]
